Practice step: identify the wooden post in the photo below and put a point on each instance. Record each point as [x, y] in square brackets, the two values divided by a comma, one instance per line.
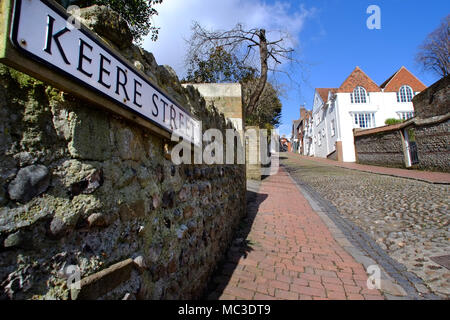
[339, 151]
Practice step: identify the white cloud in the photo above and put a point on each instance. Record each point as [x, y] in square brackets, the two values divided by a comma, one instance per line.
[176, 16]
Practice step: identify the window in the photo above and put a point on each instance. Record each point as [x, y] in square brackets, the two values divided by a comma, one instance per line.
[406, 115]
[333, 128]
[359, 95]
[364, 120]
[405, 94]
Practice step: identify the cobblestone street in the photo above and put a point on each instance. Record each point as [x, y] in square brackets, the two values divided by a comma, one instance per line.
[407, 219]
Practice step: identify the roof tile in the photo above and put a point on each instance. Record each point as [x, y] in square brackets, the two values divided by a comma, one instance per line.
[403, 77]
[323, 92]
[358, 78]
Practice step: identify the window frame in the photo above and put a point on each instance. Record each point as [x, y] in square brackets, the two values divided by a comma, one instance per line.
[367, 118]
[406, 115]
[405, 94]
[359, 95]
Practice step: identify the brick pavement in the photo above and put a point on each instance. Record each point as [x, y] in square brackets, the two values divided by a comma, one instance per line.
[393, 210]
[427, 176]
[289, 254]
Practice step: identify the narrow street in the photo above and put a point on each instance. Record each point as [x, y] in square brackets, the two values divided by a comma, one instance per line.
[288, 253]
[313, 229]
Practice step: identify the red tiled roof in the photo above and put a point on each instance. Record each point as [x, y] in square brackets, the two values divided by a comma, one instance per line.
[403, 77]
[358, 78]
[323, 92]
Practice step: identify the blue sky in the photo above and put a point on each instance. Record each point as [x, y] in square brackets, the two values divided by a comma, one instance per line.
[336, 39]
[332, 37]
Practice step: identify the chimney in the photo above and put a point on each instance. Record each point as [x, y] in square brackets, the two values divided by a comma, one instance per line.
[302, 112]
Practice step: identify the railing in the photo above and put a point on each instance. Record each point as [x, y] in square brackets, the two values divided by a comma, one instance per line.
[413, 153]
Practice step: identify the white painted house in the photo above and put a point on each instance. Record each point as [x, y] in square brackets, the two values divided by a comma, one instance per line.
[358, 103]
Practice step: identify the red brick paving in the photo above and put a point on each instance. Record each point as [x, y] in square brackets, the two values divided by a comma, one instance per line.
[427, 176]
[293, 255]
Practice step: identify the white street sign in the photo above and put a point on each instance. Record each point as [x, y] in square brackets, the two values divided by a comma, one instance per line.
[40, 30]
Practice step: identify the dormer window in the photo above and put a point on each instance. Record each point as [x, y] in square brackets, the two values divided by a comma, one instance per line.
[359, 95]
[405, 94]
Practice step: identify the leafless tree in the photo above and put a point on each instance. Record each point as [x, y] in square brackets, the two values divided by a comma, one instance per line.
[434, 53]
[249, 44]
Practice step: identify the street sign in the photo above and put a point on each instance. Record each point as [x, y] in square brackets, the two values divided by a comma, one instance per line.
[42, 32]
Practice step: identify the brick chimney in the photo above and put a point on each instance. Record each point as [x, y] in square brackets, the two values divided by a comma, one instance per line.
[302, 112]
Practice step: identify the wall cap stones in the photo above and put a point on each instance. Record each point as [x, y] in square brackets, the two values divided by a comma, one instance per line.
[395, 127]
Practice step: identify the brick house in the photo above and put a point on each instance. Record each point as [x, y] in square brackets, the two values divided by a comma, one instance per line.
[298, 131]
[358, 103]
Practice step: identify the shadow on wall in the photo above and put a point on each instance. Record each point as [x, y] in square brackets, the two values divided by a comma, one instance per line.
[238, 249]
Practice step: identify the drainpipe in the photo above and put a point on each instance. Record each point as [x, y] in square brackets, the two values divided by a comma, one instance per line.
[339, 147]
[338, 124]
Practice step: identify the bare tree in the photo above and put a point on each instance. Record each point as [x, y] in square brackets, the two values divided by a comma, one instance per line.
[435, 51]
[247, 44]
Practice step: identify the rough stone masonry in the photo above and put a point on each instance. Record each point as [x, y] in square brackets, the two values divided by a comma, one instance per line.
[386, 146]
[83, 188]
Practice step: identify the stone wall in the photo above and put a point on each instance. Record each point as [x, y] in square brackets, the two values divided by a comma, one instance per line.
[435, 101]
[433, 146]
[383, 149]
[433, 139]
[385, 146]
[83, 187]
[225, 96]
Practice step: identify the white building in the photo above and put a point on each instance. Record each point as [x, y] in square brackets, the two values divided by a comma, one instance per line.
[308, 138]
[358, 103]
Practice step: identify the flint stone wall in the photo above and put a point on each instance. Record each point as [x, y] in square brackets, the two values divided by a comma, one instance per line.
[435, 101]
[382, 149]
[431, 124]
[433, 146]
[83, 187]
[433, 140]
